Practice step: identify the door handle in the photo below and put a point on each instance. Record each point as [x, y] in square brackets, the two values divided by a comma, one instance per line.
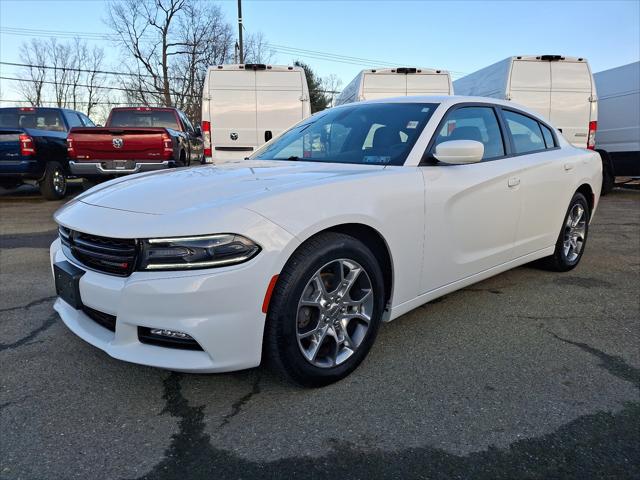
[513, 182]
[568, 167]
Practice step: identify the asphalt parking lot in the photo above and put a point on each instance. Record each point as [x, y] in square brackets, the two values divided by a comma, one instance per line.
[529, 374]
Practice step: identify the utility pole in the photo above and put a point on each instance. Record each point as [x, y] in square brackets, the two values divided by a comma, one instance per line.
[240, 31]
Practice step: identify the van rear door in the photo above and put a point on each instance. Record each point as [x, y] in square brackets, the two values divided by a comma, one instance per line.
[383, 85]
[427, 84]
[232, 107]
[279, 102]
[531, 85]
[571, 92]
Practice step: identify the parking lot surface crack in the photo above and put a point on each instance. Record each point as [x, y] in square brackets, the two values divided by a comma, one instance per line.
[615, 365]
[242, 401]
[31, 335]
[190, 443]
[29, 305]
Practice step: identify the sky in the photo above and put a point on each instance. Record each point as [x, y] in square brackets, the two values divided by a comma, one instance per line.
[459, 36]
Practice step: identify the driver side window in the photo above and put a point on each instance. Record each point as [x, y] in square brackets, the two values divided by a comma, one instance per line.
[474, 123]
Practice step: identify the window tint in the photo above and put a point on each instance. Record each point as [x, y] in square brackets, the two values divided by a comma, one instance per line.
[73, 119]
[144, 118]
[525, 131]
[186, 122]
[34, 118]
[377, 133]
[548, 136]
[86, 120]
[474, 123]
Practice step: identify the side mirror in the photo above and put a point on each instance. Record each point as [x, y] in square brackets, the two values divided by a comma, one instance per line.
[459, 152]
[198, 130]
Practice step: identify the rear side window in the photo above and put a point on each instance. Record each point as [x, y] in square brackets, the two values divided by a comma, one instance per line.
[86, 120]
[73, 119]
[548, 136]
[474, 123]
[525, 131]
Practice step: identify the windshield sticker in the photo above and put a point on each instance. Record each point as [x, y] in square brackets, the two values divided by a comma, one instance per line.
[412, 124]
[376, 159]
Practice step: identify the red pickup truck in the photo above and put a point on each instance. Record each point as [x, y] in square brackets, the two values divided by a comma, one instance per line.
[135, 139]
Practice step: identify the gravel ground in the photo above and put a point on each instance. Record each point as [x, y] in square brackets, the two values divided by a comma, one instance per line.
[529, 374]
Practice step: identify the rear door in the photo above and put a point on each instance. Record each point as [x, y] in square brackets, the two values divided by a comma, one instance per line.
[384, 85]
[570, 100]
[427, 84]
[530, 85]
[279, 102]
[233, 112]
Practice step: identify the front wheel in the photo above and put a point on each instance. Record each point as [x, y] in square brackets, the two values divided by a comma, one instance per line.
[54, 184]
[572, 238]
[325, 311]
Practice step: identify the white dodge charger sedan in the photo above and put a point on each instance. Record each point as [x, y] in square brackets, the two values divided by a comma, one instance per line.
[297, 254]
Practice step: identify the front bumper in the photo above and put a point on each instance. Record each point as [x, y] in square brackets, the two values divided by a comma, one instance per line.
[220, 308]
[108, 167]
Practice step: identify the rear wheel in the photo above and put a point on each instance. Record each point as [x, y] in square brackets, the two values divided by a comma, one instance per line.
[608, 175]
[326, 310]
[572, 238]
[54, 184]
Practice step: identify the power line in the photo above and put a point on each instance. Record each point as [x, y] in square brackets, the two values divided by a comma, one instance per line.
[71, 69]
[100, 87]
[78, 102]
[305, 53]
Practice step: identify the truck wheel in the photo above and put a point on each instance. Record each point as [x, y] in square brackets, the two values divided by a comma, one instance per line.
[608, 176]
[54, 184]
[183, 160]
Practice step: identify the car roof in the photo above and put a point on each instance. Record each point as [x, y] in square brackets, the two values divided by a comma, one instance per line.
[450, 100]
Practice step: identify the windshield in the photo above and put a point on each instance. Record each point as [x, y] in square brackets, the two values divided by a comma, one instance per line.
[134, 118]
[369, 133]
[34, 118]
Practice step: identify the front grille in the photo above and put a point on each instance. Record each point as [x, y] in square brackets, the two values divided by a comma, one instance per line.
[103, 319]
[115, 256]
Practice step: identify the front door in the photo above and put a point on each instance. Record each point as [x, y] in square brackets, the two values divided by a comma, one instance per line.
[472, 211]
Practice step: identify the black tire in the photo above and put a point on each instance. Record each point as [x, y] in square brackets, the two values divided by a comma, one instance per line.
[54, 184]
[282, 351]
[559, 261]
[183, 160]
[608, 175]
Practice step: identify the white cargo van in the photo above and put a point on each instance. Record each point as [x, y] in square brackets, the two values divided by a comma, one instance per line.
[560, 88]
[244, 106]
[619, 117]
[396, 82]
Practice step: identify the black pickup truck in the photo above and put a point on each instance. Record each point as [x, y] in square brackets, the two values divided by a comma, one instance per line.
[33, 147]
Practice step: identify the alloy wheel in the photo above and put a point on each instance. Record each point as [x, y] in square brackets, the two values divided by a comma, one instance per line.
[574, 232]
[334, 313]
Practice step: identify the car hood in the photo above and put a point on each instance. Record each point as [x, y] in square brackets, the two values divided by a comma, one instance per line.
[175, 190]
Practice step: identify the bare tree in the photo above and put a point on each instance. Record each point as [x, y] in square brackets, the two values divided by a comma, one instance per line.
[60, 57]
[206, 40]
[170, 44]
[33, 54]
[257, 49]
[93, 79]
[331, 85]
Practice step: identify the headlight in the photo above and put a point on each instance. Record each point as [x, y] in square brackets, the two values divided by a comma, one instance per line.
[186, 253]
